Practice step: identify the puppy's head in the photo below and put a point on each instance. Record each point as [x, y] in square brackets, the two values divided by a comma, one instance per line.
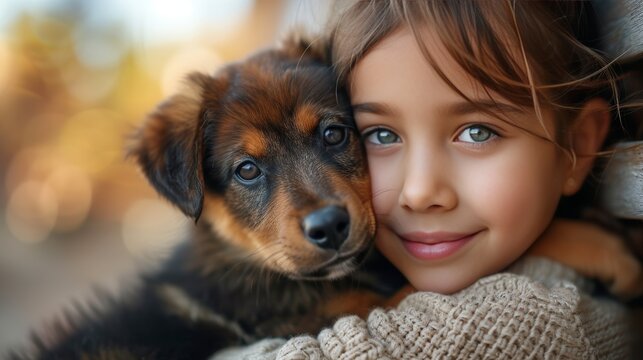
[266, 151]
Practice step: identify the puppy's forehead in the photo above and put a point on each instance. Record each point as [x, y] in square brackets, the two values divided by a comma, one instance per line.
[254, 143]
[279, 100]
[255, 138]
[306, 118]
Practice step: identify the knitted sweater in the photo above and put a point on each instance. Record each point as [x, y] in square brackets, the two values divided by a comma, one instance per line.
[538, 309]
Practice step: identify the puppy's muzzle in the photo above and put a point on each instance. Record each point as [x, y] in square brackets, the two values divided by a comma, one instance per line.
[327, 227]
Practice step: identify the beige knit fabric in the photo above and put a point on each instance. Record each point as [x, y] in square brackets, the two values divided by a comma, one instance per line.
[537, 310]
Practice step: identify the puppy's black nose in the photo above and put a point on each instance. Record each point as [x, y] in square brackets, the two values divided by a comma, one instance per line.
[327, 227]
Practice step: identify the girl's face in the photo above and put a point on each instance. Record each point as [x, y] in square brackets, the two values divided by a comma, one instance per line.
[458, 194]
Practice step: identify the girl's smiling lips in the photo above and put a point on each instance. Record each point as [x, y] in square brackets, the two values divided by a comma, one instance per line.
[434, 245]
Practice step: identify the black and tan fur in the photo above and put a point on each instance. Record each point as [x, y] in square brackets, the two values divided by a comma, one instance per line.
[255, 266]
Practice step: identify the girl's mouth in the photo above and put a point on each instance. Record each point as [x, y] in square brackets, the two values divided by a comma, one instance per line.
[435, 245]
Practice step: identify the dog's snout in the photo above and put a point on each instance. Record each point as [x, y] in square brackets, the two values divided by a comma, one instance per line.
[327, 227]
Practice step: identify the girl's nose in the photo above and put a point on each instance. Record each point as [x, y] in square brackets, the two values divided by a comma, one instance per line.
[427, 185]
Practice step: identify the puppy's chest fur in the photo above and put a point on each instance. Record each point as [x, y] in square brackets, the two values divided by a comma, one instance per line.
[253, 303]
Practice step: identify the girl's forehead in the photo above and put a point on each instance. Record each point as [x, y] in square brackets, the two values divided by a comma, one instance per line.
[431, 50]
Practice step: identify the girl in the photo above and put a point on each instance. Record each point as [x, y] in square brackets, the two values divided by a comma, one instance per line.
[477, 118]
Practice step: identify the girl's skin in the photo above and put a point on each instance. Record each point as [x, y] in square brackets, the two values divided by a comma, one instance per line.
[459, 194]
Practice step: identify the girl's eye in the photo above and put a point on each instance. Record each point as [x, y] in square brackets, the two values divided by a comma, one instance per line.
[381, 137]
[476, 134]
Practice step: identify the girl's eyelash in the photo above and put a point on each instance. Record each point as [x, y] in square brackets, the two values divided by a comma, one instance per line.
[369, 130]
[366, 134]
[493, 135]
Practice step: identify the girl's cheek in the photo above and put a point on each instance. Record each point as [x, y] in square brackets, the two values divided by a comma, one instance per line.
[383, 185]
[518, 196]
[501, 198]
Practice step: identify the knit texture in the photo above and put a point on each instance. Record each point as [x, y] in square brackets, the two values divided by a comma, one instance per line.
[538, 309]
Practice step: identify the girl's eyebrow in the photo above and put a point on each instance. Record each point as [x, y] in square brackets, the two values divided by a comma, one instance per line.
[460, 108]
[372, 108]
[457, 108]
[481, 105]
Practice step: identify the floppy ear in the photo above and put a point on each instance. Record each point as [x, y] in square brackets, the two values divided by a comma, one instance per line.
[168, 148]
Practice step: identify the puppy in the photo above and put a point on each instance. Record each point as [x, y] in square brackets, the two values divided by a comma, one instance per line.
[265, 157]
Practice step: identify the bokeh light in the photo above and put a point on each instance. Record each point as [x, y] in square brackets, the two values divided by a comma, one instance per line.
[183, 62]
[31, 211]
[99, 49]
[73, 190]
[5, 64]
[90, 85]
[33, 163]
[47, 194]
[92, 139]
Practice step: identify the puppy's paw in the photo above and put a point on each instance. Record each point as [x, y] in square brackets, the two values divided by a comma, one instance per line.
[595, 253]
[627, 278]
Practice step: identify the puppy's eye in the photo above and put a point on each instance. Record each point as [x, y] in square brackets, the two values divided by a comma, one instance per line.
[247, 171]
[334, 135]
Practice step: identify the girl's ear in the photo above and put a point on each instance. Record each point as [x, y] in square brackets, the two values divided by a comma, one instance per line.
[587, 135]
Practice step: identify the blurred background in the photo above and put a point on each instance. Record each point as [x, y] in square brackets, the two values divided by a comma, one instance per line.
[76, 77]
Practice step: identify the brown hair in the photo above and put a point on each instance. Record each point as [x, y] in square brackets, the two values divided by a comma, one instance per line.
[554, 65]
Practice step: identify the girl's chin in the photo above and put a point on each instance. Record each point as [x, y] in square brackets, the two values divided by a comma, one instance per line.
[445, 286]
